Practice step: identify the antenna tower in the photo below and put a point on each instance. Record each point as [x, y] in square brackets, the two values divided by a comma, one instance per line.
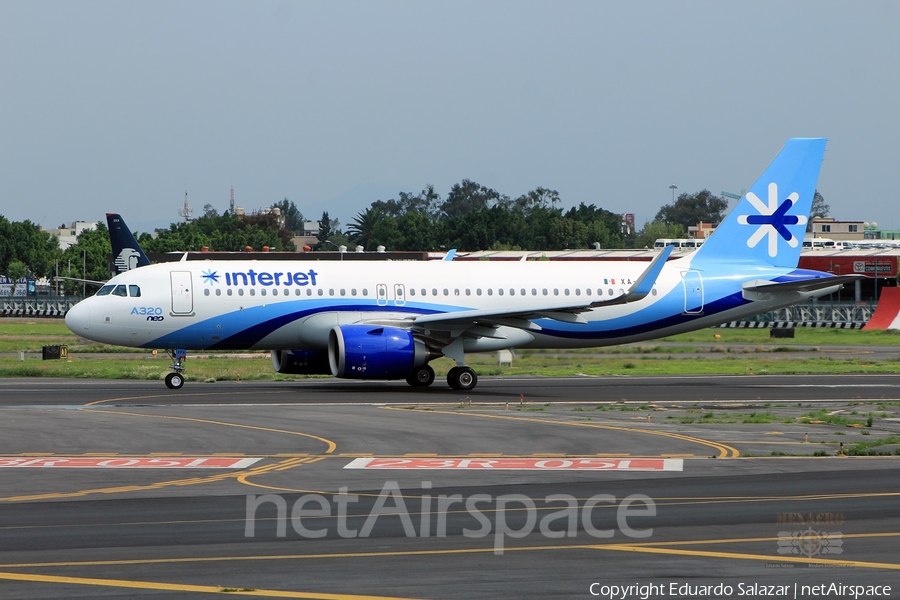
[186, 213]
[231, 208]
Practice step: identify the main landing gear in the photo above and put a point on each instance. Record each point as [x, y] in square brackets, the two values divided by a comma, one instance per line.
[459, 378]
[175, 380]
[421, 377]
[462, 378]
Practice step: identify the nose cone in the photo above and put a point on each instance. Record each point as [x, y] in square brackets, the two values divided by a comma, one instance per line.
[78, 318]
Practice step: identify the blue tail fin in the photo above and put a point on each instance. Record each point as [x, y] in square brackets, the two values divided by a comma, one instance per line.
[768, 223]
[126, 251]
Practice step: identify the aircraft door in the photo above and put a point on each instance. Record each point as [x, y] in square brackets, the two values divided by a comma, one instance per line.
[399, 294]
[182, 293]
[381, 298]
[693, 292]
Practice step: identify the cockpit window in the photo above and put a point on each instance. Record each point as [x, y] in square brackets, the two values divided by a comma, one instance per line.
[134, 291]
[120, 290]
[105, 290]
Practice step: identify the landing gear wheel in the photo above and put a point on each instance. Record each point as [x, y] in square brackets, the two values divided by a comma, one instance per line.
[174, 381]
[421, 377]
[462, 378]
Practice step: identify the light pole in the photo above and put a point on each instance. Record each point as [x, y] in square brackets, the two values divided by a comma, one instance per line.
[83, 273]
[673, 187]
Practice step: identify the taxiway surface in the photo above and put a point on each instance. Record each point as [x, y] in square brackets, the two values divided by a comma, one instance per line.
[121, 488]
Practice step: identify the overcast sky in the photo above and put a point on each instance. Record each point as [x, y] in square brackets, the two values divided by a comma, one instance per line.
[121, 106]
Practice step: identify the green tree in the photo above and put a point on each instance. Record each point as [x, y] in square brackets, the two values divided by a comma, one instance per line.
[468, 196]
[327, 229]
[87, 258]
[16, 270]
[690, 209]
[819, 209]
[427, 202]
[362, 229]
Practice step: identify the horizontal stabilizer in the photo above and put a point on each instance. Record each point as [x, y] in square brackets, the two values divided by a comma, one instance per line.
[806, 285]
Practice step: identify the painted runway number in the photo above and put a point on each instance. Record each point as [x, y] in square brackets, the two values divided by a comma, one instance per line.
[520, 464]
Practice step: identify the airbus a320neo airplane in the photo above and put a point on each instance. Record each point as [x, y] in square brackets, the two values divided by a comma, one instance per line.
[388, 320]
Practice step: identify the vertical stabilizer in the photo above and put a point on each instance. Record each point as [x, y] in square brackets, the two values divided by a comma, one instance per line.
[768, 223]
[127, 253]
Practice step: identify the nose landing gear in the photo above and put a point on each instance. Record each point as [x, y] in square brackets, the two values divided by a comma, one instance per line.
[175, 380]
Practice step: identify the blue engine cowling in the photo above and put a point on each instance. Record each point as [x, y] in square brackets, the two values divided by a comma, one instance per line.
[301, 362]
[374, 352]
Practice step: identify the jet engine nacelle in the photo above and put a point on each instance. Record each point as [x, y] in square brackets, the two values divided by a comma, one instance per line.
[301, 362]
[374, 352]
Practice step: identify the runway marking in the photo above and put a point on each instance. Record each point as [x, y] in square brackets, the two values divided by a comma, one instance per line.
[646, 547]
[180, 395]
[140, 488]
[239, 476]
[109, 462]
[184, 587]
[331, 445]
[555, 463]
[743, 556]
[725, 451]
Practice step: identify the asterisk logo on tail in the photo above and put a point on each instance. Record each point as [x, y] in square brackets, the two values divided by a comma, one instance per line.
[772, 220]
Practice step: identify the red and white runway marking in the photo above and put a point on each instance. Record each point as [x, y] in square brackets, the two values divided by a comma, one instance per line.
[522, 464]
[116, 462]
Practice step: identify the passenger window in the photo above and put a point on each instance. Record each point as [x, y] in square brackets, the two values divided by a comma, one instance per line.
[241, 292]
[611, 292]
[412, 292]
[478, 291]
[262, 292]
[105, 290]
[274, 292]
[456, 292]
[434, 291]
[500, 291]
[523, 291]
[534, 291]
[578, 292]
[365, 292]
[512, 292]
[556, 291]
[545, 291]
[353, 292]
[218, 292]
[343, 292]
[490, 291]
[230, 292]
[252, 292]
[206, 292]
[446, 292]
[134, 291]
[468, 292]
[321, 292]
[120, 291]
